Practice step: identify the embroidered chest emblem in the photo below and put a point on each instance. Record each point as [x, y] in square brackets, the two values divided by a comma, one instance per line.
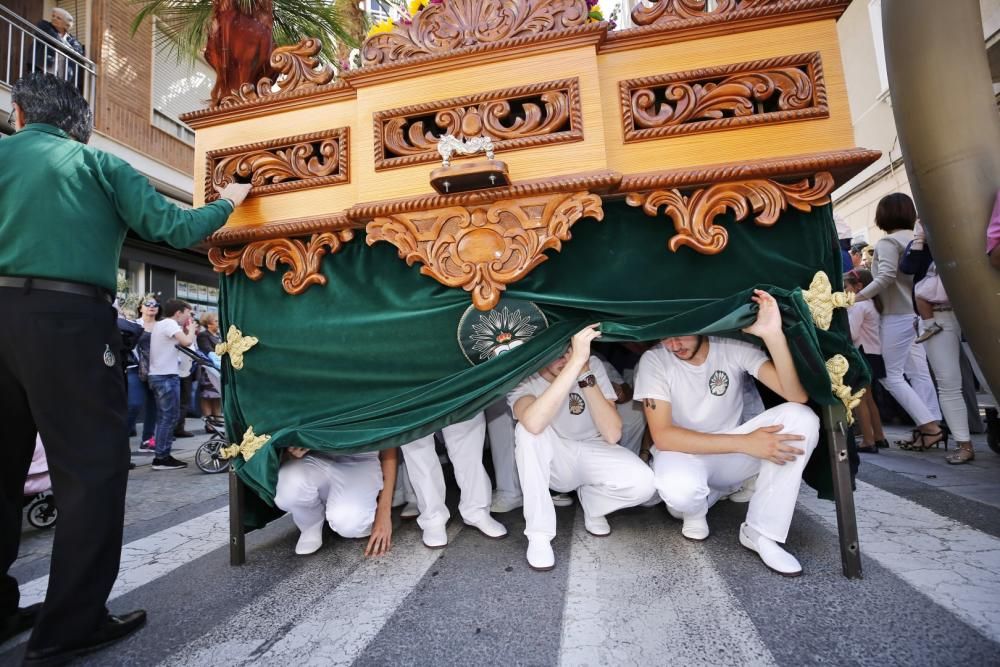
[718, 383]
[576, 404]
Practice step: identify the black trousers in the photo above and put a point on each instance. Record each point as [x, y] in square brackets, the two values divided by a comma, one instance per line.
[54, 379]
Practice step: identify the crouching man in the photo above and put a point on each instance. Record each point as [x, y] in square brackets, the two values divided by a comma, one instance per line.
[565, 440]
[693, 398]
[351, 492]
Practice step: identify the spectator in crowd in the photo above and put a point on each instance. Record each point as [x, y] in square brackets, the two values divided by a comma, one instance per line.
[844, 241]
[48, 57]
[176, 328]
[943, 341]
[865, 320]
[185, 372]
[140, 396]
[208, 338]
[66, 382]
[858, 255]
[351, 492]
[896, 216]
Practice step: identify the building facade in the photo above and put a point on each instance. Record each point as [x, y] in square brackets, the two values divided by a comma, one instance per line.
[137, 92]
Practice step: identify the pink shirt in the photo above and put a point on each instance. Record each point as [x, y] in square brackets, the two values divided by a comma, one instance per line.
[865, 322]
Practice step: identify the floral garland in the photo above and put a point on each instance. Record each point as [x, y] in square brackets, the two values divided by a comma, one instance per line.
[407, 11]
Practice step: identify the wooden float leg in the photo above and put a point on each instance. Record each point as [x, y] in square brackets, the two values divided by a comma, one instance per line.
[835, 423]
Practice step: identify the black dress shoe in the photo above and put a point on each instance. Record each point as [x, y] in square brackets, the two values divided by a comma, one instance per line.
[21, 620]
[113, 629]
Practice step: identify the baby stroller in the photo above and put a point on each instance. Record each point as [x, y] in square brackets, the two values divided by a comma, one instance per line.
[208, 458]
[38, 498]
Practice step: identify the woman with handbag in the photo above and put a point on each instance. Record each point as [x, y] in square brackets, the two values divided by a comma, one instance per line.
[896, 216]
[942, 339]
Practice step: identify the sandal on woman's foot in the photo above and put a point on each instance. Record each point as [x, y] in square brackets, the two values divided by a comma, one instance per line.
[923, 441]
[882, 444]
[868, 449]
[964, 454]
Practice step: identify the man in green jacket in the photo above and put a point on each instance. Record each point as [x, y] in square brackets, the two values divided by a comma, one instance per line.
[64, 212]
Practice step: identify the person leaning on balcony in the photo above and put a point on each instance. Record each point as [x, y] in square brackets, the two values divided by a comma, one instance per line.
[57, 27]
[64, 212]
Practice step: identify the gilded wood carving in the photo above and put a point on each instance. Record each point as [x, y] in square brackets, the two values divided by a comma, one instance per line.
[694, 215]
[680, 10]
[485, 248]
[441, 28]
[521, 117]
[281, 165]
[776, 90]
[302, 257]
[297, 68]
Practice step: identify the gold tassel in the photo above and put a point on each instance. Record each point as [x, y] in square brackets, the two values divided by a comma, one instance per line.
[837, 366]
[236, 345]
[250, 445]
[821, 300]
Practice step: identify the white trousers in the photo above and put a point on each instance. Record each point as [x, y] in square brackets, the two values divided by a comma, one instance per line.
[633, 425]
[403, 493]
[605, 477]
[944, 354]
[901, 355]
[500, 427]
[343, 490]
[464, 442]
[691, 483]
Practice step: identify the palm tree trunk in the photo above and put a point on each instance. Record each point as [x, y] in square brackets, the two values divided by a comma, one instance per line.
[239, 46]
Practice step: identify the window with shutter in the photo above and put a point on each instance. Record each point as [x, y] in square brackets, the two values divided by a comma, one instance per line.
[178, 87]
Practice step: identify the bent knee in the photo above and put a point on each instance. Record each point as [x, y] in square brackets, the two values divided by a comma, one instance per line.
[680, 493]
[351, 521]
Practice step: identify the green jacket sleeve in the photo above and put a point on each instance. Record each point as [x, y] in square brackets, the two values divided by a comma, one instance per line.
[152, 217]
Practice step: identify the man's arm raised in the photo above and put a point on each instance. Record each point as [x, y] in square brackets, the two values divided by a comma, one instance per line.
[779, 374]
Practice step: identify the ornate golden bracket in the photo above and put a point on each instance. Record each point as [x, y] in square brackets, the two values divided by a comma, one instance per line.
[693, 215]
[250, 446]
[821, 300]
[236, 346]
[302, 257]
[485, 248]
[837, 366]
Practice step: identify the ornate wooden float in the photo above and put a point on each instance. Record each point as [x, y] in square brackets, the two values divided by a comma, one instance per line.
[645, 178]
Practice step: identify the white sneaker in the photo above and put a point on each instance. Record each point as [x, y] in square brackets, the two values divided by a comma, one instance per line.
[436, 537]
[745, 492]
[562, 499]
[540, 556]
[774, 557]
[597, 526]
[489, 527]
[411, 511]
[310, 540]
[695, 527]
[505, 503]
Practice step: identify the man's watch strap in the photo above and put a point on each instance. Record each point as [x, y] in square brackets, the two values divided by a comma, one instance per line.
[588, 380]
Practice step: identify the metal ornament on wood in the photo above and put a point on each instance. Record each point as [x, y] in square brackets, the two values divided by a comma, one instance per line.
[488, 173]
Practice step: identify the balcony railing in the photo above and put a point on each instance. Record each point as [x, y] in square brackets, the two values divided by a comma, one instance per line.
[25, 49]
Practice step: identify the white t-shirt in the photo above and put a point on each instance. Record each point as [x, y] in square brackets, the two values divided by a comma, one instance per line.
[162, 353]
[865, 326]
[706, 398]
[573, 421]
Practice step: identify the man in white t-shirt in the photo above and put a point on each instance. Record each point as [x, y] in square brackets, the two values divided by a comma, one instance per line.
[692, 393]
[567, 427]
[164, 379]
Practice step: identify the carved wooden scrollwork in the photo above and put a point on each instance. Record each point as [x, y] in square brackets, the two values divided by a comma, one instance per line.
[485, 248]
[302, 257]
[440, 28]
[533, 115]
[680, 10]
[281, 165]
[694, 215]
[776, 90]
[297, 68]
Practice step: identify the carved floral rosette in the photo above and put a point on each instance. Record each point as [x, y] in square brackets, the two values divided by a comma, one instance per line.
[302, 257]
[484, 248]
[775, 90]
[442, 28]
[281, 165]
[693, 215]
[525, 116]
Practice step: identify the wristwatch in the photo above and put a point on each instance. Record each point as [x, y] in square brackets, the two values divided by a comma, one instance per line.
[588, 381]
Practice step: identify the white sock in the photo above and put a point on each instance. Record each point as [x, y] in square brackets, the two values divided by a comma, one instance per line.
[926, 324]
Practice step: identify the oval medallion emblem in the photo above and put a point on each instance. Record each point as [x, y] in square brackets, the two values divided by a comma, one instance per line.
[483, 335]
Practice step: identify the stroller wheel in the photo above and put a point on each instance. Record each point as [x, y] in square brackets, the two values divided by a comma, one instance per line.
[207, 457]
[42, 512]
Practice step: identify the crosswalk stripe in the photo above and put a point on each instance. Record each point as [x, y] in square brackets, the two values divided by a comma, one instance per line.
[952, 564]
[320, 624]
[627, 603]
[155, 555]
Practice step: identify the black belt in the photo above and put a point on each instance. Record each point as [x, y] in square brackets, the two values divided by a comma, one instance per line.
[63, 286]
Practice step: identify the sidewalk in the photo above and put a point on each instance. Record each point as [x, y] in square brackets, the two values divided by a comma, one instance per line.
[183, 448]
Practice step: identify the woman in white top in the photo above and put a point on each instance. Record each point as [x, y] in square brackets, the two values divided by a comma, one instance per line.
[865, 323]
[896, 215]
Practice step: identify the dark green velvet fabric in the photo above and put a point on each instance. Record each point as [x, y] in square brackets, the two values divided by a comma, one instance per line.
[371, 360]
